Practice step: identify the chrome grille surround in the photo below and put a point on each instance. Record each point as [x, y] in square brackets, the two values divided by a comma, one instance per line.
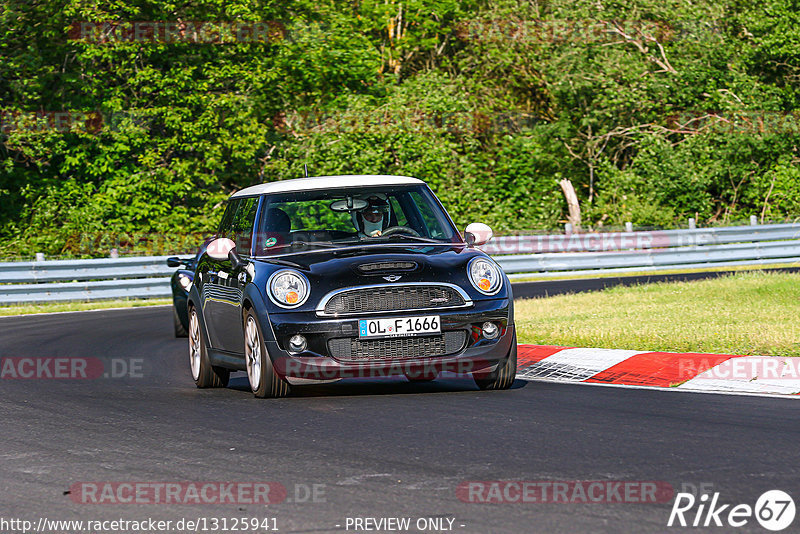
[386, 298]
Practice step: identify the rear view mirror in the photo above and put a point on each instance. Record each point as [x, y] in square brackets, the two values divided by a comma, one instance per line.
[477, 234]
[220, 248]
[349, 204]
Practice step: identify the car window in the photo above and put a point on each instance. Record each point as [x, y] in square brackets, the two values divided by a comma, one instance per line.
[302, 220]
[227, 218]
[398, 212]
[432, 221]
[315, 215]
[242, 225]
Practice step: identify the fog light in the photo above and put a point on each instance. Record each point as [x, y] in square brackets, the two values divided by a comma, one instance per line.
[490, 330]
[297, 343]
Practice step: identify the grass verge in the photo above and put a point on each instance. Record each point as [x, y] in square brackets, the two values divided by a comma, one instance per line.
[599, 274]
[745, 313]
[25, 309]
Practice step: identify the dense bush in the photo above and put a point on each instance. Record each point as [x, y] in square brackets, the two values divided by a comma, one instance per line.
[656, 111]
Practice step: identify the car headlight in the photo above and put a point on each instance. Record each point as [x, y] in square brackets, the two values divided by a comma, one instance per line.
[185, 281]
[485, 276]
[287, 288]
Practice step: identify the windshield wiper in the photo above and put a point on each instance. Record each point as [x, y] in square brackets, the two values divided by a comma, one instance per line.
[417, 238]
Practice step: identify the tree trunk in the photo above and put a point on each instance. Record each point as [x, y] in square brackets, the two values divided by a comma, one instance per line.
[572, 204]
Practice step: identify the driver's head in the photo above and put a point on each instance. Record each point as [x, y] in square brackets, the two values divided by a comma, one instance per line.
[374, 217]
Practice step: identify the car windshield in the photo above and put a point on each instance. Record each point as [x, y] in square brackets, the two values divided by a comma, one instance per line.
[333, 218]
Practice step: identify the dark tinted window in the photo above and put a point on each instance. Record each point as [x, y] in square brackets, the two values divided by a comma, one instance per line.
[242, 225]
[227, 219]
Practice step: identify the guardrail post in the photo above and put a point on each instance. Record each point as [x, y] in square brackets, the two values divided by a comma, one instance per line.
[629, 227]
[40, 256]
[692, 224]
[753, 220]
[568, 228]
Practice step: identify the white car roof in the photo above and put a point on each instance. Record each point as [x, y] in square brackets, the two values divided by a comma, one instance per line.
[325, 182]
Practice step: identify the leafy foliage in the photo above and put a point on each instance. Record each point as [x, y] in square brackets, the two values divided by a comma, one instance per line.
[655, 110]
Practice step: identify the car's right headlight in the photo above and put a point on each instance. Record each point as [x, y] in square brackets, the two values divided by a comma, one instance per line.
[288, 288]
[485, 275]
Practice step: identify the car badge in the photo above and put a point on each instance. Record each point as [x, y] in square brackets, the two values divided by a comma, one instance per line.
[392, 278]
[270, 242]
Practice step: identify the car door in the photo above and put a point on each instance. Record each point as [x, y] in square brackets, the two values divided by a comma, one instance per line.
[230, 282]
[213, 275]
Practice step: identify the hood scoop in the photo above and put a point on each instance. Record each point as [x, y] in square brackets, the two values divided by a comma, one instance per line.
[387, 266]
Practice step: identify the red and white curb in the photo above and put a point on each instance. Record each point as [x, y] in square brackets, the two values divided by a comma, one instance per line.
[719, 373]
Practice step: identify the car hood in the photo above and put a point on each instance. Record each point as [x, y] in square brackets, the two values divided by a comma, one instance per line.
[334, 269]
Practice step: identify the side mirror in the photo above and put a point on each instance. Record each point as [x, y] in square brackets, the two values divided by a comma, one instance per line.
[174, 261]
[477, 234]
[219, 248]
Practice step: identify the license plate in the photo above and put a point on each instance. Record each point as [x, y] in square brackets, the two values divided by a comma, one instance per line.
[400, 326]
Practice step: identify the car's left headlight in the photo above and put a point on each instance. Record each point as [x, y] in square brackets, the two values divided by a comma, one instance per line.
[485, 276]
[287, 288]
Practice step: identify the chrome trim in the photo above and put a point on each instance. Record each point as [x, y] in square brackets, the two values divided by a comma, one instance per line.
[321, 306]
[301, 276]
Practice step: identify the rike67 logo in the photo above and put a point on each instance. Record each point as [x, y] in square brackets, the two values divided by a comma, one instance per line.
[774, 510]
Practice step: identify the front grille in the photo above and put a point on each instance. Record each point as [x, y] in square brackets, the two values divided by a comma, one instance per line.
[396, 348]
[393, 298]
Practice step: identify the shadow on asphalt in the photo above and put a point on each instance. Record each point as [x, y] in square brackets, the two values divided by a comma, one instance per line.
[386, 386]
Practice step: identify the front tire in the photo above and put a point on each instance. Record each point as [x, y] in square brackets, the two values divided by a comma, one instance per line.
[264, 381]
[506, 372]
[205, 375]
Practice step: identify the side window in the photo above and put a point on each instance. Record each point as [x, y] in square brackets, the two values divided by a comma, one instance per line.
[227, 219]
[242, 226]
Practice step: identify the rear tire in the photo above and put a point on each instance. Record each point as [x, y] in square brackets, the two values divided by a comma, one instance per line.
[205, 375]
[264, 381]
[180, 331]
[506, 372]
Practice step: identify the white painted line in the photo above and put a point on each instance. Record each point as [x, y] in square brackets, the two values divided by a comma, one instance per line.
[753, 374]
[663, 389]
[145, 306]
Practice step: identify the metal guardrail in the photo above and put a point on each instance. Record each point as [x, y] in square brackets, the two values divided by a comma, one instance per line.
[548, 256]
[520, 256]
[98, 279]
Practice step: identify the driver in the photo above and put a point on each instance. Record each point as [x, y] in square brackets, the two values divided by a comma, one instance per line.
[373, 219]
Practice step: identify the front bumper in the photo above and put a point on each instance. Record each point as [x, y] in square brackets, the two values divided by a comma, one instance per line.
[317, 363]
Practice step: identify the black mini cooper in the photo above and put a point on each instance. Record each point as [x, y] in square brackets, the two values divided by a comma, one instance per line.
[317, 279]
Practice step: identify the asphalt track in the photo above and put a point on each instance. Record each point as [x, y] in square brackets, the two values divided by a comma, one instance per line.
[386, 448]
